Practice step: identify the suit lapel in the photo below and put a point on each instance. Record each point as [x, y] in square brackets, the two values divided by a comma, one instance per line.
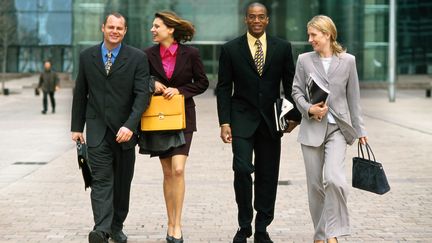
[180, 61]
[246, 53]
[120, 60]
[98, 61]
[271, 46]
[333, 65]
[156, 61]
[319, 67]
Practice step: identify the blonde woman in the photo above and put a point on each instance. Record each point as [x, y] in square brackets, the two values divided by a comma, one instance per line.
[327, 128]
[178, 70]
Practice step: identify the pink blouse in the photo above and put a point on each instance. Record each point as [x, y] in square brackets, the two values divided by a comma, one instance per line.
[168, 56]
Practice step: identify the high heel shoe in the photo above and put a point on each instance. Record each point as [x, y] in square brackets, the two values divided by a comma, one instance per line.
[169, 238]
[175, 240]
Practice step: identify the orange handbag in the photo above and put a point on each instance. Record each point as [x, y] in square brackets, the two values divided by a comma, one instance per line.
[163, 114]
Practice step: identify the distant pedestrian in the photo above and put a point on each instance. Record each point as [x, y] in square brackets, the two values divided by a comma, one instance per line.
[328, 127]
[49, 83]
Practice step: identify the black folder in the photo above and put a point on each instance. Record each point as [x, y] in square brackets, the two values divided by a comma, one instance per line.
[316, 90]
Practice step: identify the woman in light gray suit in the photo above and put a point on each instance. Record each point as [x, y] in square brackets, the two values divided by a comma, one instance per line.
[327, 127]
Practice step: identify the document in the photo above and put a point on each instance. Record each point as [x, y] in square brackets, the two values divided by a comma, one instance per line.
[281, 107]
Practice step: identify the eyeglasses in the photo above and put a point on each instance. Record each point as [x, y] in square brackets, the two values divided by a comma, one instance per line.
[260, 17]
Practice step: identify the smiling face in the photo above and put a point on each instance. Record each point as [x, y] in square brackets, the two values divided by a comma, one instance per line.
[114, 31]
[320, 41]
[256, 20]
[161, 33]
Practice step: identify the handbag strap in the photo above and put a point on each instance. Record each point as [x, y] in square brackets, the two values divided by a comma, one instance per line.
[368, 151]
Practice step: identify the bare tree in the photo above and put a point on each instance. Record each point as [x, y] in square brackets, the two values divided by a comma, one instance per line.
[7, 33]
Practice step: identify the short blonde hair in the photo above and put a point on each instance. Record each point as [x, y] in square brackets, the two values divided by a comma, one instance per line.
[325, 24]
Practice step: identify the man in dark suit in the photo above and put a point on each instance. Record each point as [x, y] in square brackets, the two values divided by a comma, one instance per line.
[255, 64]
[111, 93]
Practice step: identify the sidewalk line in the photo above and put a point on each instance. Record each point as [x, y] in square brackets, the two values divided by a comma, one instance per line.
[398, 124]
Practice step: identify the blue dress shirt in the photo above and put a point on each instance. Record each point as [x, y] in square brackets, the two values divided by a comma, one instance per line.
[114, 53]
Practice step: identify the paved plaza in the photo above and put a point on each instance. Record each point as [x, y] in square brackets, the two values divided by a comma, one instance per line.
[42, 196]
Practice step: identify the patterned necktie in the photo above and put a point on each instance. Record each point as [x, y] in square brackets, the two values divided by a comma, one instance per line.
[108, 63]
[259, 57]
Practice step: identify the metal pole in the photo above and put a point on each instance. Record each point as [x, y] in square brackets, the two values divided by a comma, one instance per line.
[392, 52]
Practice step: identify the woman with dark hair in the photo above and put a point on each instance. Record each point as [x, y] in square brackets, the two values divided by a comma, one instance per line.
[177, 69]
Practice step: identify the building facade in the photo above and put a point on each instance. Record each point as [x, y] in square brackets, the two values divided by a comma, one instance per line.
[60, 29]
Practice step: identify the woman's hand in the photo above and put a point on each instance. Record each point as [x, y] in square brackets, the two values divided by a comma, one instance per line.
[363, 140]
[318, 111]
[170, 92]
[159, 87]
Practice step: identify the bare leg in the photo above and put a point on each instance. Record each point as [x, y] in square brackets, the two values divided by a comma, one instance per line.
[332, 240]
[178, 190]
[168, 193]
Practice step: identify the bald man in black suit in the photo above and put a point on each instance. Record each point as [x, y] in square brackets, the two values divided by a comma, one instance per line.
[255, 64]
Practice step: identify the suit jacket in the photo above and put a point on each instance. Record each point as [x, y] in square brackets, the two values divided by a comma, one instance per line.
[188, 77]
[111, 101]
[344, 99]
[48, 80]
[253, 97]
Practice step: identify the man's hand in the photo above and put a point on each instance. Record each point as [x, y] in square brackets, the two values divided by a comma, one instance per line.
[226, 134]
[123, 135]
[291, 126]
[78, 135]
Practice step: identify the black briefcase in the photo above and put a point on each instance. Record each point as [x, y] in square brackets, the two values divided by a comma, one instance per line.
[368, 174]
[83, 163]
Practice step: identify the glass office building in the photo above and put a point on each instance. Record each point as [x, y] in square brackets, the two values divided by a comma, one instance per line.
[60, 29]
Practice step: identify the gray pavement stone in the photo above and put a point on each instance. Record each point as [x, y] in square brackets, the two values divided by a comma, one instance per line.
[49, 204]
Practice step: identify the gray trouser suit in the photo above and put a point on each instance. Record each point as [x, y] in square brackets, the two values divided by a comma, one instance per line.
[327, 186]
[323, 144]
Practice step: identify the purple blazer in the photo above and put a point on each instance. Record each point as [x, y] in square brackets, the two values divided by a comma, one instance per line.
[188, 77]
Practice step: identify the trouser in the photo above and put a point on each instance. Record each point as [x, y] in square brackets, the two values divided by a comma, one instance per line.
[327, 185]
[112, 171]
[45, 100]
[266, 169]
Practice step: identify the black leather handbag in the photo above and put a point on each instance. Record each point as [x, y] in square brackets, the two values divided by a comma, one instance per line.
[368, 174]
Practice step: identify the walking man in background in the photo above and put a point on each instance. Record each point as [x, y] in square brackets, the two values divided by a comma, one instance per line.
[49, 83]
[111, 93]
[255, 64]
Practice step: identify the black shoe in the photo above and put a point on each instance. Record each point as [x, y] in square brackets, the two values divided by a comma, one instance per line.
[119, 237]
[175, 240]
[169, 238]
[53, 111]
[262, 237]
[242, 234]
[43, 112]
[97, 236]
